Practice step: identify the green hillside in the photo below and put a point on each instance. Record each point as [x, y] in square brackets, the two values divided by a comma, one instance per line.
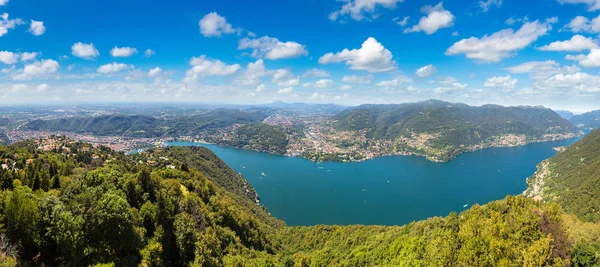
[66, 203]
[121, 125]
[587, 121]
[572, 179]
[442, 130]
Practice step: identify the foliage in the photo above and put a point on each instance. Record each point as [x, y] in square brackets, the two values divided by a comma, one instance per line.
[573, 178]
[587, 121]
[260, 137]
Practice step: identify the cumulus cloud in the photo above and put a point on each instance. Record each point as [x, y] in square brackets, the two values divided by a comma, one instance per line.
[3, 2]
[149, 53]
[112, 68]
[361, 9]
[485, 5]
[8, 57]
[154, 72]
[367, 79]
[252, 74]
[372, 57]
[540, 70]
[575, 44]
[320, 84]
[593, 5]
[437, 18]
[85, 51]
[42, 88]
[285, 78]
[260, 88]
[317, 73]
[272, 48]
[37, 28]
[450, 87]
[8, 24]
[286, 90]
[123, 51]
[36, 69]
[501, 82]
[502, 44]
[590, 60]
[580, 81]
[426, 71]
[213, 25]
[583, 24]
[27, 56]
[203, 67]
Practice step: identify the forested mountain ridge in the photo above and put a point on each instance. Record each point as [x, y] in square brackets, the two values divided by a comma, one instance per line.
[572, 179]
[66, 203]
[122, 125]
[587, 121]
[441, 130]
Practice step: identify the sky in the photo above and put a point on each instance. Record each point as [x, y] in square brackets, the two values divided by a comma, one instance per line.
[350, 52]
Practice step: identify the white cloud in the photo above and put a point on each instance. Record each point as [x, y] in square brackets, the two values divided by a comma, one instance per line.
[501, 82]
[320, 84]
[123, 51]
[154, 72]
[8, 24]
[593, 5]
[27, 56]
[7, 57]
[583, 24]
[401, 22]
[502, 44]
[286, 90]
[19, 87]
[447, 88]
[317, 73]
[253, 73]
[367, 79]
[359, 9]
[37, 69]
[426, 71]
[149, 53]
[203, 67]
[85, 51]
[37, 28]
[316, 95]
[112, 68]
[345, 87]
[437, 18]
[285, 78]
[272, 48]
[372, 57]
[590, 60]
[260, 88]
[214, 25]
[540, 70]
[576, 43]
[565, 82]
[391, 83]
[3, 2]
[485, 5]
[42, 88]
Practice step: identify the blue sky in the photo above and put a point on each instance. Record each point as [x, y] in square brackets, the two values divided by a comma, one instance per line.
[535, 52]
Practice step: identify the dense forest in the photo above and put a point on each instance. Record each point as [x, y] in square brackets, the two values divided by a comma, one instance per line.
[587, 121]
[66, 203]
[572, 178]
[458, 124]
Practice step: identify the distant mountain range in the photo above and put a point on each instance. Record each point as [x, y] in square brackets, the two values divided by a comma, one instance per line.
[447, 129]
[587, 121]
[565, 114]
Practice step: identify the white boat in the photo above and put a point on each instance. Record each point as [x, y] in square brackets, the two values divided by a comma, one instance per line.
[465, 205]
[263, 174]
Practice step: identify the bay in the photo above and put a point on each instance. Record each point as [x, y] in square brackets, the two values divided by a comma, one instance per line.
[391, 190]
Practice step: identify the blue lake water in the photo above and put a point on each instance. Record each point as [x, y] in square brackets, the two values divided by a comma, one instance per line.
[385, 191]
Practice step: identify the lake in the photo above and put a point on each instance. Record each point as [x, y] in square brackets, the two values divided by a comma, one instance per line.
[384, 191]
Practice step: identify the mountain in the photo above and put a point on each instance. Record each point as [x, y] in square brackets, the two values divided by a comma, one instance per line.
[565, 114]
[441, 130]
[306, 107]
[121, 125]
[587, 121]
[70, 203]
[3, 138]
[214, 119]
[572, 179]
